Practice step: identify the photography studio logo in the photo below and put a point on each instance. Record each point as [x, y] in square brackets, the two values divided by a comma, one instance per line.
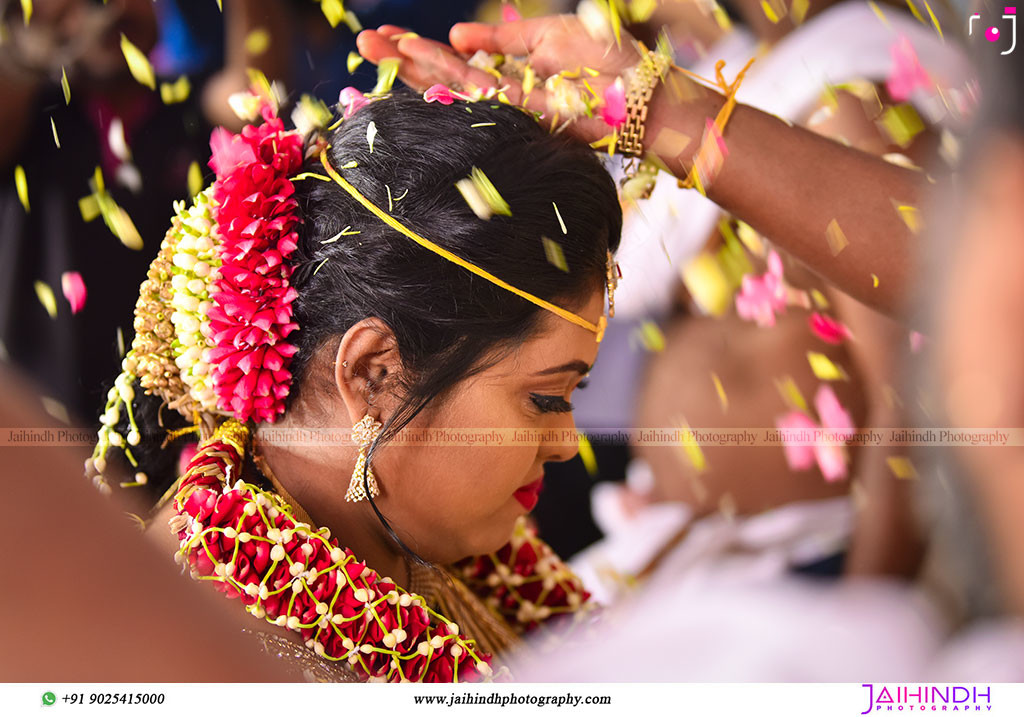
[927, 698]
[997, 34]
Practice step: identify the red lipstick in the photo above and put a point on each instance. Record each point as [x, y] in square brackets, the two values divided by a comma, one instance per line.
[529, 494]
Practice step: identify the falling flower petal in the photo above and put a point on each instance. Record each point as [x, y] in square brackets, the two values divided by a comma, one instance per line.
[824, 368]
[65, 86]
[26, 10]
[174, 92]
[723, 399]
[138, 63]
[439, 93]
[509, 13]
[371, 134]
[799, 453]
[353, 61]
[333, 10]
[46, 298]
[901, 467]
[195, 179]
[116, 140]
[760, 297]
[21, 184]
[917, 340]
[257, 41]
[587, 455]
[691, 448]
[351, 100]
[828, 329]
[73, 286]
[387, 73]
[482, 196]
[613, 112]
[835, 237]
[831, 412]
[907, 73]
[554, 253]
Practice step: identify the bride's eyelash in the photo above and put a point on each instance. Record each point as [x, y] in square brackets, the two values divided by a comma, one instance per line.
[554, 404]
[550, 404]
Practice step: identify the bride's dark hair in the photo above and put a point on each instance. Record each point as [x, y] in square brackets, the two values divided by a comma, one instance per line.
[447, 322]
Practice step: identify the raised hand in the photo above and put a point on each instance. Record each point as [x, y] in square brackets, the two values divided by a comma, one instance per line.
[551, 45]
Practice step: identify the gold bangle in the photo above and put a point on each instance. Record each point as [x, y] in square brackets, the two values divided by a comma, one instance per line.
[646, 76]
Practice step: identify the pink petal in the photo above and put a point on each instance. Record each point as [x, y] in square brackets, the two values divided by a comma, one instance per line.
[798, 448]
[351, 100]
[438, 93]
[74, 290]
[916, 341]
[509, 13]
[907, 74]
[828, 329]
[831, 412]
[613, 112]
[228, 151]
[831, 461]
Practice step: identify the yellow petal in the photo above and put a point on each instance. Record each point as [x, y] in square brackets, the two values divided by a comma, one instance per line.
[790, 393]
[587, 455]
[56, 139]
[387, 72]
[824, 368]
[333, 10]
[354, 61]
[901, 467]
[353, 22]
[65, 86]
[21, 183]
[46, 298]
[799, 10]
[837, 240]
[901, 123]
[195, 179]
[26, 10]
[138, 63]
[692, 449]
[651, 337]
[874, 281]
[257, 41]
[174, 92]
[555, 255]
[720, 390]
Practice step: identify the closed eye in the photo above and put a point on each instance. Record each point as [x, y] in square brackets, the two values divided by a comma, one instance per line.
[554, 404]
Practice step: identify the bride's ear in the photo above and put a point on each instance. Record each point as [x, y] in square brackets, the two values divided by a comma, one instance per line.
[366, 366]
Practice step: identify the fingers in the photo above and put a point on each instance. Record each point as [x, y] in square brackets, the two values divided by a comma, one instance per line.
[510, 38]
[438, 63]
[376, 46]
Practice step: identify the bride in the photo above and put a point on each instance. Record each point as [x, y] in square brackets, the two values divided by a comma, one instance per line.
[416, 272]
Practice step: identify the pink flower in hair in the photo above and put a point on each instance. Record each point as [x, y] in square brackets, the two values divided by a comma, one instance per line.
[250, 319]
[351, 100]
[439, 93]
[761, 296]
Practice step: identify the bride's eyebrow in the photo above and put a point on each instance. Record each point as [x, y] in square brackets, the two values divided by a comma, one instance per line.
[580, 367]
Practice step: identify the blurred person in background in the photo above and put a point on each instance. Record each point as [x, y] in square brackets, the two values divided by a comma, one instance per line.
[60, 226]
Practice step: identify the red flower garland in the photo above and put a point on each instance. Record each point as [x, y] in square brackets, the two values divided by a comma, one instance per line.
[282, 570]
[251, 315]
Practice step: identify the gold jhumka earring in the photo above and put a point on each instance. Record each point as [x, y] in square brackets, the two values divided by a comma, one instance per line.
[365, 432]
